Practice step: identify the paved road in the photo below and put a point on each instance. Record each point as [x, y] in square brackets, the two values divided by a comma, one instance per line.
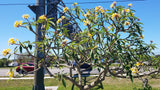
[3, 71]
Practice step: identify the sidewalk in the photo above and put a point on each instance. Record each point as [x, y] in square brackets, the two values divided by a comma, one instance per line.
[6, 78]
[51, 87]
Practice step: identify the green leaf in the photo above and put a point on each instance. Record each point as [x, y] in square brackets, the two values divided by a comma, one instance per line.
[29, 28]
[9, 56]
[80, 47]
[47, 27]
[131, 77]
[30, 46]
[66, 58]
[99, 70]
[24, 23]
[63, 82]
[139, 30]
[91, 54]
[100, 37]
[20, 49]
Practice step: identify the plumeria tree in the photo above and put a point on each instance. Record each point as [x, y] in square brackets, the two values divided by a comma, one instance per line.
[109, 36]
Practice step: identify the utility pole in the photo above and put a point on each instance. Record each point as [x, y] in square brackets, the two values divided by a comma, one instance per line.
[38, 9]
[52, 12]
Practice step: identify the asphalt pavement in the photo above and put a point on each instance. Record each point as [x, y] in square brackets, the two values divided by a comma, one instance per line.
[3, 71]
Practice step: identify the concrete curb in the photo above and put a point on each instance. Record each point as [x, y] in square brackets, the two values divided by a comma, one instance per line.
[51, 87]
[21, 78]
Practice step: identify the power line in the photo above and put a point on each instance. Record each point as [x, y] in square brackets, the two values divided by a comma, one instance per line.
[19, 4]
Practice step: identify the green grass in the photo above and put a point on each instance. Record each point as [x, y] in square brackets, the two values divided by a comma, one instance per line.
[119, 84]
[108, 84]
[24, 84]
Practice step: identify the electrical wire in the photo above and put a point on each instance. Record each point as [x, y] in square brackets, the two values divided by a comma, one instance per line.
[17, 4]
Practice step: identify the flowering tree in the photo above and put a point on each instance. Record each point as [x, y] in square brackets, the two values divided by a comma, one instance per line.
[109, 36]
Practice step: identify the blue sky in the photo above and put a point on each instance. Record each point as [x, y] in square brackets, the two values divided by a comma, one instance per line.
[148, 11]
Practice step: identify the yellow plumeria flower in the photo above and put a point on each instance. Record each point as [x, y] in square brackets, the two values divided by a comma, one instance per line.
[132, 14]
[17, 24]
[6, 51]
[134, 70]
[126, 23]
[65, 9]
[11, 41]
[63, 17]
[138, 63]
[142, 37]
[64, 42]
[59, 34]
[86, 22]
[142, 64]
[62, 45]
[100, 7]
[55, 58]
[94, 46]
[87, 14]
[11, 74]
[90, 35]
[102, 11]
[74, 4]
[43, 17]
[59, 21]
[25, 16]
[113, 4]
[95, 15]
[115, 15]
[109, 27]
[96, 9]
[130, 5]
[127, 10]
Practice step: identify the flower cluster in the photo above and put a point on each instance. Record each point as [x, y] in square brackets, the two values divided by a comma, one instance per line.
[60, 19]
[115, 15]
[74, 4]
[59, 34]
[43, 17]
[6, 51]
[87, 14]
[11, 74]
[86, 22]
[64, 42]
[134, 70]
[113, 4]
[127, 10]
[65, 9]
[139, 63]
[100, 8]
[89, 35]
[130, 5]
[126, 23]
[17, 24]
[142, 37]
[25, 16]
[94, 47]
[12, 41]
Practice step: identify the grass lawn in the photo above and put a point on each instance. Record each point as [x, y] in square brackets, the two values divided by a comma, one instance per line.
[108, 84]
